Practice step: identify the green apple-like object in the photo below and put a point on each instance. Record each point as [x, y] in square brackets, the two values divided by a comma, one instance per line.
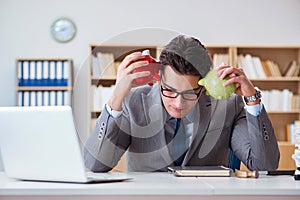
[214, 85]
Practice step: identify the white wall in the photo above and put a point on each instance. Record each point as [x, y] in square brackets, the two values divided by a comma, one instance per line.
[25, 25]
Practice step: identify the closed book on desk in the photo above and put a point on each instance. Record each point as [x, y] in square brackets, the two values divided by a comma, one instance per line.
[200, 170]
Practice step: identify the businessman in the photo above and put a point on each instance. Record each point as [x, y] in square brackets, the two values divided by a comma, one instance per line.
[175, 122]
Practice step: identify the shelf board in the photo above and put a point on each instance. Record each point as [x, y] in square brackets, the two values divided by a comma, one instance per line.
[96, 111]
[287, 79]
[267, 46]
[285, 143]
[284, 112]
[95, 114]
[106, 81]
[44, 88]
[44, 59]
[120, 45]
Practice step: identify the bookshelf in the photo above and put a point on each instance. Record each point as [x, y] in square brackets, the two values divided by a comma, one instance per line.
[282, 55]
[44, 81]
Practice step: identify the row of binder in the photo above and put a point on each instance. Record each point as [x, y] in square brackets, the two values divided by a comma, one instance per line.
[44, 98]
[44, 72]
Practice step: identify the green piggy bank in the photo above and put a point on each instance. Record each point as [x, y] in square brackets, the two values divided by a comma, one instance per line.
[214, 85]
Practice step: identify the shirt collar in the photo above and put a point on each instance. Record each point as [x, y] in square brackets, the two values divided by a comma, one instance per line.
[189, 118]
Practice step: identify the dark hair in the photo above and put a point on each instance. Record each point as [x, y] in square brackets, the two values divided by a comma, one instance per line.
[187, 56]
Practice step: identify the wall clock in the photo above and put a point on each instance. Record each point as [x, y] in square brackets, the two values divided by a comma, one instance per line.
[63, 30]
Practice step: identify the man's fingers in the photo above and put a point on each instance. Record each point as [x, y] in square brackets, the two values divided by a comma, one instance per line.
[131, 58]
[136, 65]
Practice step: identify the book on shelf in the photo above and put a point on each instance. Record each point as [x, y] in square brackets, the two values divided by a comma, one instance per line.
[44, 73]
[296, 101]
[103, 64]
[266, 68]
[250, 65]
[274, 68]
[200, 171]
[241, 63]
[246, 64]
[219, 58]
[254, 67]
[293, 69]
[285, 95]
[258, 67]
[100, 96]
[292, 130]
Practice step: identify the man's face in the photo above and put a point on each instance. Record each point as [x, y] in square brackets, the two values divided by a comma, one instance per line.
[188, 84]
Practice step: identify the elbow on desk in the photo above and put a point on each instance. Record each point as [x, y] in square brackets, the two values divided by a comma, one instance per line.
[272, 160]
[276, 161]
[93, 164]
[270, 163]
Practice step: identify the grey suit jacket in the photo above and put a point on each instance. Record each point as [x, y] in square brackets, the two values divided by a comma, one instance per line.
[219, 125]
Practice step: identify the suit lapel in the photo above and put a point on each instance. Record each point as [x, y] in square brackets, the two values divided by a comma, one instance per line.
[217, 122]
[205, 109]
[156, 117]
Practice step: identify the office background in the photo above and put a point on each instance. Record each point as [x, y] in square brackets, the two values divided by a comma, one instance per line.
[25, 30]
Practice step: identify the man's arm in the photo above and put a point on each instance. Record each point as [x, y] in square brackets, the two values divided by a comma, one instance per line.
[254, 142]
[107, 143]
[253, 138]
[110, 137]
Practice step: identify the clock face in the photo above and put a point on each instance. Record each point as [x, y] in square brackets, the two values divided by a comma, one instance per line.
[63, 30]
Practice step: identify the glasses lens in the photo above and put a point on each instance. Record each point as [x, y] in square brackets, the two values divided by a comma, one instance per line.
[169, 93]
[188, 96]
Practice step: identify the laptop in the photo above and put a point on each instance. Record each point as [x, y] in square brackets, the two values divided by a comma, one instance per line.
[41, 144]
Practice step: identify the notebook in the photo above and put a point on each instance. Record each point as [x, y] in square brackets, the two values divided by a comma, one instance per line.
[41, 144]
[200, 171]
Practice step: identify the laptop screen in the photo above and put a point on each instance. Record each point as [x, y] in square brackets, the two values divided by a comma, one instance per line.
[40, 143]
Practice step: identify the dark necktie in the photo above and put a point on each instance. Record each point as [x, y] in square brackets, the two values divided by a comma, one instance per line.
[179, 144]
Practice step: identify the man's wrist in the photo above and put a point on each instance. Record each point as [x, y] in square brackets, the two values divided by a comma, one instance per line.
[253, 99]
[257, 101]
[115, 104]
[112, 112]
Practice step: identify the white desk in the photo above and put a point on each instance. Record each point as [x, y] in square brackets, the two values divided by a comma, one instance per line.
[157, 186]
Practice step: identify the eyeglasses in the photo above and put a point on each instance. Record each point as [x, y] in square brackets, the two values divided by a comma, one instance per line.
[189, 95]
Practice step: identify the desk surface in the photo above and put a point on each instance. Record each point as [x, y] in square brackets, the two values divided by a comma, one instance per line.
[157, 185]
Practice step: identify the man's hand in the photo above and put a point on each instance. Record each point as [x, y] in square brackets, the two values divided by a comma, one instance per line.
[125, 78]
[237, 76]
